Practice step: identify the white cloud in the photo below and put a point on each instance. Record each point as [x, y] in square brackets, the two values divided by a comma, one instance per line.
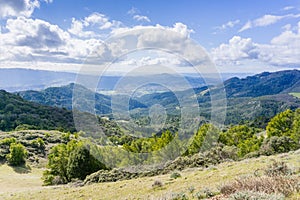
[247, 26]
[283, 50]
[236, 50]
[28, 39]
[95, 21]
[288, 8]
[17, 7]
[141, 18]
[229, 24]
[77, 29]
[133, 11]
[287, 27]
[266, 20]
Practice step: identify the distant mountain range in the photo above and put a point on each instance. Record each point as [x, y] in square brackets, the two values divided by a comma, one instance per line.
[259, 96]
[264, 84]
[62, 97]
[14, 80]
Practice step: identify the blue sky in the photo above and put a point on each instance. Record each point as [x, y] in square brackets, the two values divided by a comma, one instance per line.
[238, 35]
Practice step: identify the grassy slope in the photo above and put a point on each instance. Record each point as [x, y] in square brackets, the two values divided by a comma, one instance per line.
[295, 94]
[16, 179]
[27, 186]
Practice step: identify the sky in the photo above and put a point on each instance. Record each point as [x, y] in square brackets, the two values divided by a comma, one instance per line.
[238, 36]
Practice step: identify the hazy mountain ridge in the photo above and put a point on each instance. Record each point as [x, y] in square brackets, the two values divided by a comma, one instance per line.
[263, 84]
[17, 79]
[62, 97]
[248, 98]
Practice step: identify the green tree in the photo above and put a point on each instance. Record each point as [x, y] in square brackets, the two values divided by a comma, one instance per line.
[81, 163]
[204, 139]
[57, 165]
[281, 124]
[296, 127]
[17, 154]
[67, 161]
[243, 137]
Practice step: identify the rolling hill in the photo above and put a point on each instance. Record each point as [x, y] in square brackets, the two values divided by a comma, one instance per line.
[254, 98]
[263, 84]
[15, 111]
[62, 97]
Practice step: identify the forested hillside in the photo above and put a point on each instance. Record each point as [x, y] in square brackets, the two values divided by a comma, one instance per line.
[17, 113]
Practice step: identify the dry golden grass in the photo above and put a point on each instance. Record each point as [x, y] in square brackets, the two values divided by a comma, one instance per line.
[141, 188]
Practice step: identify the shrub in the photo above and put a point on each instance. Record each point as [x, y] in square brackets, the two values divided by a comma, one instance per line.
[17, 154]
[175, 175]
[276, 144]
[25, 127]
[8, 141]
[278, 168]
[278, 184]
[157, 184]
[38, 143]
[81, 163]
[249, 195]
[70, 161]
[180, 196]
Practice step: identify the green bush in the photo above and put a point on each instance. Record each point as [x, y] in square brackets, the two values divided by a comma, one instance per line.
[38, 143]
[276, 145]
[81, 163]
[175, 175]
[70, 161]
[8, 141]
[17, 154]
[281, 124]
[22, 127]
[204, 139]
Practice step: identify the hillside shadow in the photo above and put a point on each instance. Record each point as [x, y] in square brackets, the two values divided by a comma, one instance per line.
[2, 162]
[22, 169]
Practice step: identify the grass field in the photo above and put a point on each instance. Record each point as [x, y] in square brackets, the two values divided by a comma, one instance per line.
[295, 94]
[15, 185]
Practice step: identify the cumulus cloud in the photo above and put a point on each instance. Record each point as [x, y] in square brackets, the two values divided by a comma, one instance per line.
[283, 50]
[141, 18]
[96, 21]
[27, 39]
[236, 50]
[17, 7]
[266, 20]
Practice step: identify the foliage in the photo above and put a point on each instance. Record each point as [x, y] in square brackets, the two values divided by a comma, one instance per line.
[203, 139]
[38, 143]
[295, 135]
[281, 124]
[8, 141]
[68, 161]
[17, 113]
[277, 168]
[175, 175]
[242, 137]
[276, 144]
[81, 163]
[146, 145]
[17, 154]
